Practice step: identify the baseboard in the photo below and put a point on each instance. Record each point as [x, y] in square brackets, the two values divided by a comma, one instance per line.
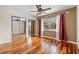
[8, 43]
[18, 33]
[59, 40]
[49, 37]
[36, 34]
[72, 42]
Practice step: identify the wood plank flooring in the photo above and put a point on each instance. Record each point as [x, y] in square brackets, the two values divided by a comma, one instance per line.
[37, 45]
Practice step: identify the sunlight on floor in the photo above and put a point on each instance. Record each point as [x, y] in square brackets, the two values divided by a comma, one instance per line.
[48, 48]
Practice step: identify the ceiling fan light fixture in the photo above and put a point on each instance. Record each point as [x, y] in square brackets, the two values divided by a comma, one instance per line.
[38, 15]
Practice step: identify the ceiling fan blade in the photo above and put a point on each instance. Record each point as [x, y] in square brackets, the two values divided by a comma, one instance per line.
[46, 9]
[37, 7]
[44, 12]
[33, 11]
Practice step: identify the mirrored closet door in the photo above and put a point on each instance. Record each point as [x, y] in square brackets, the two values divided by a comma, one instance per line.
[18, 28]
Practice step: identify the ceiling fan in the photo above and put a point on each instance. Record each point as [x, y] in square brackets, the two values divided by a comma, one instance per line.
[40, 10]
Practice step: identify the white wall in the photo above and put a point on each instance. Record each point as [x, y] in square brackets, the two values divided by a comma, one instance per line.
[78, 25]
[5, 23]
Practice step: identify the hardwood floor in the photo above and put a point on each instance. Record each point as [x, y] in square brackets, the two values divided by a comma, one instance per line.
[37, 45]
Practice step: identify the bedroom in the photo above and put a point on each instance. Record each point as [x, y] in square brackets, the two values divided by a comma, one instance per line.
[37, 32]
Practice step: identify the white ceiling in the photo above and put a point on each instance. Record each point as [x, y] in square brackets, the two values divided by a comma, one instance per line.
[27, 8]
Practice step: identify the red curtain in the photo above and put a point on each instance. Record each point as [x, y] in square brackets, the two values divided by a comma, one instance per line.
[62, 31]
[39, 20]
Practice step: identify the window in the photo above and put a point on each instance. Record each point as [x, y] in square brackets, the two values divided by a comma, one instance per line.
[49, 24]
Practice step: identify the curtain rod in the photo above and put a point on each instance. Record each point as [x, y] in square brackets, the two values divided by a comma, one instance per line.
[54, 14]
